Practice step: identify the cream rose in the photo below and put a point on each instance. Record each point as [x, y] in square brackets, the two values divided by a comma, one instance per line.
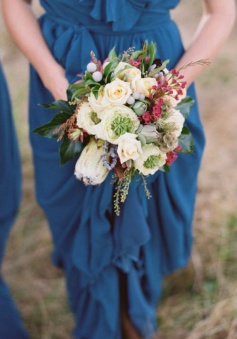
[87, 118]
[117, 120]
[151, 160]
[144, 85]
[96, 104]
[115, 93]
[129, 74]
[176, 120]
[128, 147]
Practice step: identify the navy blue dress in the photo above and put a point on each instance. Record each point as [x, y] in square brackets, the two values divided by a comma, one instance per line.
[11, 326]
[150, 238]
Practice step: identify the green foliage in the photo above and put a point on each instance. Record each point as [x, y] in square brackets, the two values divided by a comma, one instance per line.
[185, 106]
[112, 54]
[186, 142]
[157, 70]
[48, 130]
[69, 149]
[60, 105]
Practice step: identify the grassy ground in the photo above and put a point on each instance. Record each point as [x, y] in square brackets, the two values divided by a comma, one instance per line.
[199, 301]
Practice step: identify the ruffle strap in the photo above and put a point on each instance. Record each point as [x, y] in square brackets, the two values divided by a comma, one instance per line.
[123, 14]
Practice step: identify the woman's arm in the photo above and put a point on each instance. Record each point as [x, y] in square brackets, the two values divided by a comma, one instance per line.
[214, 27]
[26, 33]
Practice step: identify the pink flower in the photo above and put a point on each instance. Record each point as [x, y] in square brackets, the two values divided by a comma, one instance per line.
[171, 157]
[134, 63]
[147, 117]
[178, 148]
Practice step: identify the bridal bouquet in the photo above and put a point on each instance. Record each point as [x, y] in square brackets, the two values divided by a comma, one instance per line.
[125, 115]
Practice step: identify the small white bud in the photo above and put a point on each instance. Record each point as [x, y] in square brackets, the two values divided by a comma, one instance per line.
[97, 76]
[136, 95]
[142, 96]
[91, 67]
[131, 100]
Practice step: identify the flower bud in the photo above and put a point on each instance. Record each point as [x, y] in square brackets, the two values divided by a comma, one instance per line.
[130, 100]
[91, 67]
[97, 76]
[139, 107]
[150, 133]
[136, 95]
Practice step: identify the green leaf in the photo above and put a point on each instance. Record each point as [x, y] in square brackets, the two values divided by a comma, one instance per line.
[47, 130]
[69, 149]
[152, 53]
[78, 85]
[157, 70]
[109, 69]
[187, 143]
[166, 168]
[136, 54]
[185, 130]
[70, 92]
[112, 54]
[92, 83]
[59, 105]
[88, 76]
[185, 106]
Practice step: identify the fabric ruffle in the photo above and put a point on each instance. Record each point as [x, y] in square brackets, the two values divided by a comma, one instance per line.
[122, 14]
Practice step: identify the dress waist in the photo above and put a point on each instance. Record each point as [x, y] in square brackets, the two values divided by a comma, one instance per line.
[147, 22]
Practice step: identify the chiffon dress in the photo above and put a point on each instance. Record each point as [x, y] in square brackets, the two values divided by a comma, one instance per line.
[150, 238]
[10, 192]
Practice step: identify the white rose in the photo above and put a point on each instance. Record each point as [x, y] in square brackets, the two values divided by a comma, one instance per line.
[116, 121]
[177, 121]
[144, 85]
[116, 92]
[96, 104]
[128, 147]
[151, 160]
[87, 118]
[128, 74]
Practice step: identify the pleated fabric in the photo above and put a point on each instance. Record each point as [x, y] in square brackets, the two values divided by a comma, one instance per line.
[11, 326]
[150, 238]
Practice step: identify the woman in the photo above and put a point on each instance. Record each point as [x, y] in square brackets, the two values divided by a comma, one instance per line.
[113, 265]
[10, 191]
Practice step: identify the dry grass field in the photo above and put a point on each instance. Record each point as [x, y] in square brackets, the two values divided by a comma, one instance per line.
[199, 301]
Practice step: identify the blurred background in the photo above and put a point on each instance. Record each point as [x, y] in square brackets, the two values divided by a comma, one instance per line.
[199, 301]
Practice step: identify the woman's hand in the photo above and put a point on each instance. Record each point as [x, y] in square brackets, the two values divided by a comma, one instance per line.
[26, 33]
[214, 27]
[55, 81]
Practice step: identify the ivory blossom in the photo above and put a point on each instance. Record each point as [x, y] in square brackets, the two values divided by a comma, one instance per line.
[128, 147]
[115, 93]
[144, 85]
